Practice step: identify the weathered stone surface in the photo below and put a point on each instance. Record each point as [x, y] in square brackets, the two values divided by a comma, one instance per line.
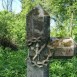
[33, 71]
[38, 22]
[62, 47]
[38, 35]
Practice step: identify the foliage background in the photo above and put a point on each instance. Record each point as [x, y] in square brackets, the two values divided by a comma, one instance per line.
[12, 26]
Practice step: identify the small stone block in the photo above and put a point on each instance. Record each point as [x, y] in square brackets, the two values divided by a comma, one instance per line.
[63, 47]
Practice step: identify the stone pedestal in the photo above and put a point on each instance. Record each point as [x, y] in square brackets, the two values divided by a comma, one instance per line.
[34, 71]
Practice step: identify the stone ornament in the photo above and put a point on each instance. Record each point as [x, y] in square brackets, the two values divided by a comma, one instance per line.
[38, 35]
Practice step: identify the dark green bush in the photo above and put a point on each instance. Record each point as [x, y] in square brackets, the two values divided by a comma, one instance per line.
[12, 27]
[12, 64]
[64, 68]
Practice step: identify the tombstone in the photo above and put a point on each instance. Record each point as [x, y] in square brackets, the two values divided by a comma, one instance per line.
[38, 39]
[38, 35]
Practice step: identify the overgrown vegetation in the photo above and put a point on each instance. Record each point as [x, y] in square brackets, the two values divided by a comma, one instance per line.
[13, 64]
[12, 27]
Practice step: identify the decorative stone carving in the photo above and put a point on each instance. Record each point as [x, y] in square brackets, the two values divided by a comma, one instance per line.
[38, 35]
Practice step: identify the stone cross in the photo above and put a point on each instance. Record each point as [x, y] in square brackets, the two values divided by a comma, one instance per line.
[38, 37]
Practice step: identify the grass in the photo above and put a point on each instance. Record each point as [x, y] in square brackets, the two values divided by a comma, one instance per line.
[13, 64]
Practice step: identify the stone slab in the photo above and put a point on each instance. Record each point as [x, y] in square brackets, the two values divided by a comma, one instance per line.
[62, 47]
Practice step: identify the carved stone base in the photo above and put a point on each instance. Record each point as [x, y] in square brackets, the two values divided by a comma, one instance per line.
[34, 71]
